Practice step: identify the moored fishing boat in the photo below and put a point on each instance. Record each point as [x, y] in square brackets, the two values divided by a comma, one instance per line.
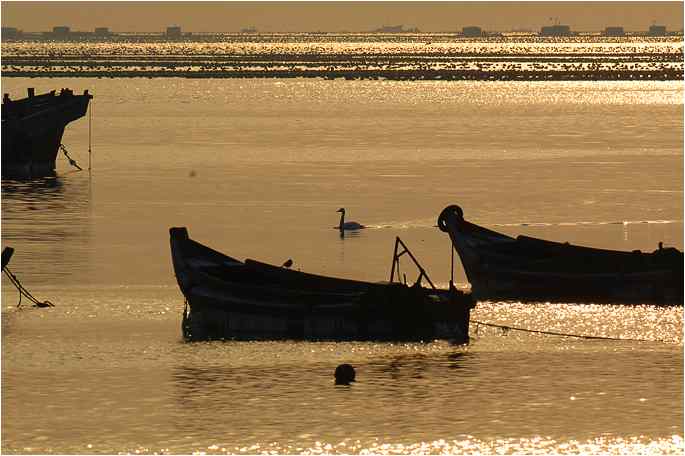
[231, 299]
[32, 129]
[530, 269]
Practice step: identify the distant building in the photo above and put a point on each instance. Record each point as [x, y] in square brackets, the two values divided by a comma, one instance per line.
[396, 29]
[102, 31]
[174, 31]
[251, 29]
[657, 30]
[472, 32]
[614, 31]
[556, 30]
[10, 32]
[390, 29]
[61, 30]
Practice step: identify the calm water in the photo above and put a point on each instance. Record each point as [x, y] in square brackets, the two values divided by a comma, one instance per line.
[257, 168]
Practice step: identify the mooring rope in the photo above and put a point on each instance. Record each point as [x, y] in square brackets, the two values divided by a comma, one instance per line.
[72, 162]
[90, 142]
[506, 329]
[24, 292]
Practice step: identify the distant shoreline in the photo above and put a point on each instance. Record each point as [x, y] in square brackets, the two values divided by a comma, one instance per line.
[405, 36]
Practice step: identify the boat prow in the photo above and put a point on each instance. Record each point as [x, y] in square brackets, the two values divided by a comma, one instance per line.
[7, 253]
[32, 130]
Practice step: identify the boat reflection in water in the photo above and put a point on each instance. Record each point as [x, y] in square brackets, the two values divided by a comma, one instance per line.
[47, 221]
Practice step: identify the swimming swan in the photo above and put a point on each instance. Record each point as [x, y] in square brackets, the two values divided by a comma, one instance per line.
[347, 226]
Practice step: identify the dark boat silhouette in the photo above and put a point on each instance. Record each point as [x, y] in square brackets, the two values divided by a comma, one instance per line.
[231, 299]
[32, 129]
[530, 269]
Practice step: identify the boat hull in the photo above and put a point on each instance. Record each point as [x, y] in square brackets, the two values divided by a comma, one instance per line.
[230, 299]
[32, 130]
[500, 267]
[220, 317]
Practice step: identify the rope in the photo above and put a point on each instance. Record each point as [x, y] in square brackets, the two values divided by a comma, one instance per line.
[506, 329]
[24, 292]
[72, 162]
[90, 122]
[452, 263]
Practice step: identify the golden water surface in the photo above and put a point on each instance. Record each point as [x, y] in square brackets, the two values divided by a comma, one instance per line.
[257, 168]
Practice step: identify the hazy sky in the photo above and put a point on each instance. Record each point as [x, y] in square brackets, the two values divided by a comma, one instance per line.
[135, 16]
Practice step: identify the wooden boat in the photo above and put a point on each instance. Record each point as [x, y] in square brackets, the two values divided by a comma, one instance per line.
[529, 269]
[32, 129]
[231, 299]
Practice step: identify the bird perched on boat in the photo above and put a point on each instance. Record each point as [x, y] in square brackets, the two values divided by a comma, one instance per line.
[347, 226]
[288, 263]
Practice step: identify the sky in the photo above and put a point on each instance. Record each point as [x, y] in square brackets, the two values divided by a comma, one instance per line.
[308, 16]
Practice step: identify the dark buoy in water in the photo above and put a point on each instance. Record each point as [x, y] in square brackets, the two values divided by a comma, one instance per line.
[344, 374]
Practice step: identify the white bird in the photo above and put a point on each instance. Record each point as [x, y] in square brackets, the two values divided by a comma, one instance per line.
[347, 226]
